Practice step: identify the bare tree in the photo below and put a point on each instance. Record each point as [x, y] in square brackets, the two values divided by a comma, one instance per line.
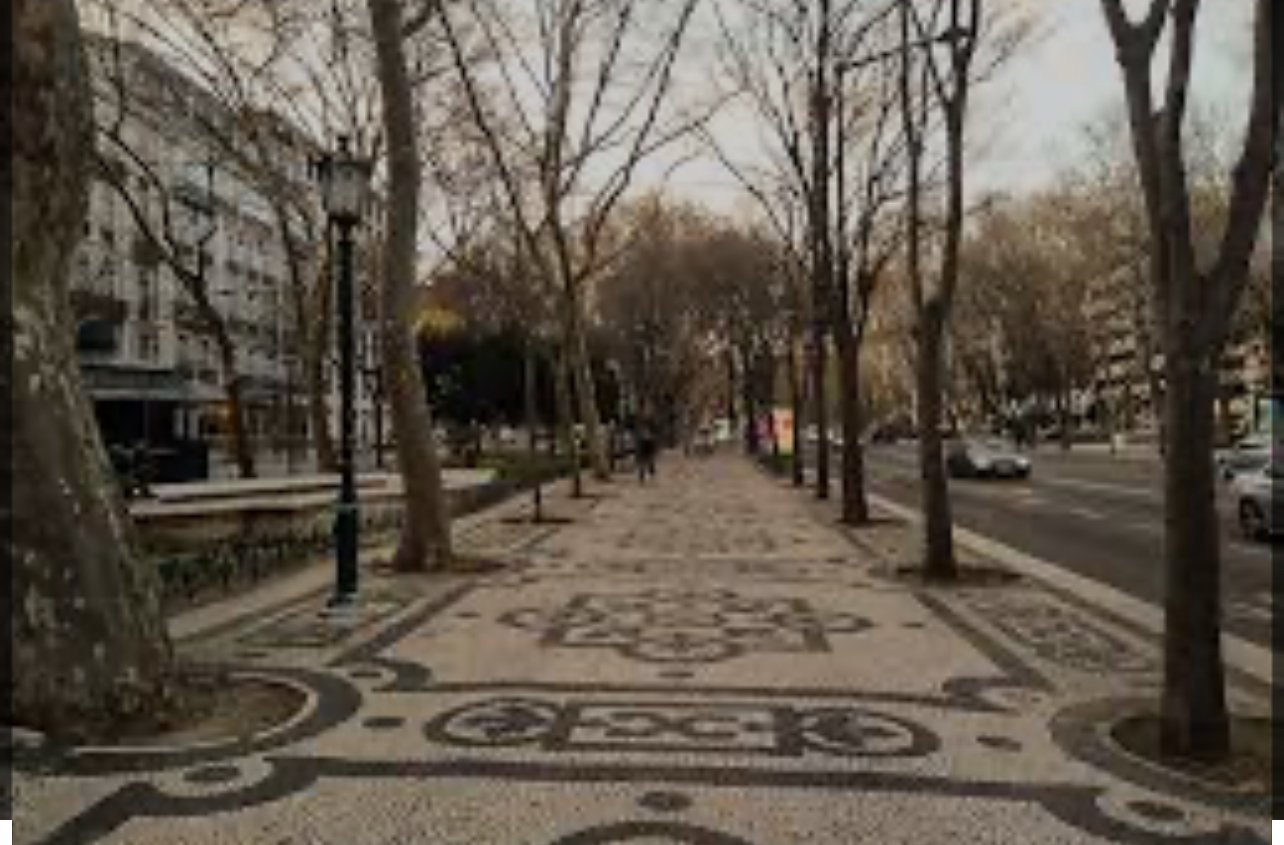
[819, 80]
[1023, 322]
[925, 82]
[869, 166]
[742, 291]
[580, 134]
[647, 303]
[76, 577]
[780, 58]
[774, 191]
[1195, 304]
[425, 538]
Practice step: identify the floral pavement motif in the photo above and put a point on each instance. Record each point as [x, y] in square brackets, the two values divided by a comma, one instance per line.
[671, 626]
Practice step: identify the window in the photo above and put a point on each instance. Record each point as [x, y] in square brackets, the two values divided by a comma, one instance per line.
[148, 345]
[148, 304]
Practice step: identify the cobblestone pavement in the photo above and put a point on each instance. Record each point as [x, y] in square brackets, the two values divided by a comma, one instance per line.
[702, 661]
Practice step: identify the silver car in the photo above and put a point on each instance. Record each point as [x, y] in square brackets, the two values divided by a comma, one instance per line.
[1247, 456]
[985, 458]
[1259, 501]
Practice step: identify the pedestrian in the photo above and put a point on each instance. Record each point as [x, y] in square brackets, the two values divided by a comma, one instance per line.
[645, 448]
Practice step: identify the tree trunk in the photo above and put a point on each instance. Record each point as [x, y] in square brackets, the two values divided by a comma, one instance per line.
[733, 389]
[425, 538]
[939, 562]
[1194, 700]
[749, 403]
[530, 399]
[1224, 434]
[89, 642]
[1064, 419]
[242, 446]
[798, 404]
[566, 422]
[855, 501]
[581, 365]
[820, 408]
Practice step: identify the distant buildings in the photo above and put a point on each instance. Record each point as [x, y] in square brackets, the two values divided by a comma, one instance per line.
[1129, 362]
[1124, 354]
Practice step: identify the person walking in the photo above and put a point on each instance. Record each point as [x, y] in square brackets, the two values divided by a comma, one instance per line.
[645, 447]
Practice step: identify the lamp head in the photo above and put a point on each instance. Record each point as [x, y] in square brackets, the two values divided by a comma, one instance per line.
[344, 179]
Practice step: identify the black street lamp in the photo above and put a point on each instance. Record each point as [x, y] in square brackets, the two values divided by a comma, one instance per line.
[345, 187]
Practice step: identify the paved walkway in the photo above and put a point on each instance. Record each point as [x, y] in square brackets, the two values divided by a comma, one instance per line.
[703, 661]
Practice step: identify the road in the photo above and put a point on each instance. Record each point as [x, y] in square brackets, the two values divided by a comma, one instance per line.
[1098, 516]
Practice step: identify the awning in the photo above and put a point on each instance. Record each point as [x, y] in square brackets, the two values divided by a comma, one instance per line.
[122, 384]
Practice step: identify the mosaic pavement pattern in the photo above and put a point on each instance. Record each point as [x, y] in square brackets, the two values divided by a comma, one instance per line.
[700, 662]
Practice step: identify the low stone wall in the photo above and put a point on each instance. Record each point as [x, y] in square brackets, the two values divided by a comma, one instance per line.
[224, 543]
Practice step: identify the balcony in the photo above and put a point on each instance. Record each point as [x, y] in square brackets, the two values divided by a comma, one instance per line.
[92, 304]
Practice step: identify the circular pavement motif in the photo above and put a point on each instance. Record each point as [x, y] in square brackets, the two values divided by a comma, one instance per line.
[683, 646]
[1082, 731]
[325, 701]
[503, 723]
[861, 733]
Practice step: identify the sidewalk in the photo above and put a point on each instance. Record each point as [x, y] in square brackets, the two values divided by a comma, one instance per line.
[703, 661]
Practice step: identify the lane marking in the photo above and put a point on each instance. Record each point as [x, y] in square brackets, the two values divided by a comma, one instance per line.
[1149, 496]
[1254, 549]
[1251, 659]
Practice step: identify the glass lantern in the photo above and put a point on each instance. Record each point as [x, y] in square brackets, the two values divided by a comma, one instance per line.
[345, 184]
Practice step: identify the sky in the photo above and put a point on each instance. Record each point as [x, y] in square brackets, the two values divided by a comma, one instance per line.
[1029, 123]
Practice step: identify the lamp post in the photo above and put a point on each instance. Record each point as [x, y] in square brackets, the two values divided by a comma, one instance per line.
[345, 186]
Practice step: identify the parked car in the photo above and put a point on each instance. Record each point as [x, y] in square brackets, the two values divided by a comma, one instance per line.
[985, 458]
[1259, 500]
[1247, 456]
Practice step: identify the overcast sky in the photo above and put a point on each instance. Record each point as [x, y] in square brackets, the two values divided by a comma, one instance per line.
[1030, 122]
[1026, 125]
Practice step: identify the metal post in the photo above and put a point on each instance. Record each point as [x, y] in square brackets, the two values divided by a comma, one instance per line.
[346, 520]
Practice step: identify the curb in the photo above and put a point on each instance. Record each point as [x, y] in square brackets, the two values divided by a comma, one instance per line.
[1252, 660]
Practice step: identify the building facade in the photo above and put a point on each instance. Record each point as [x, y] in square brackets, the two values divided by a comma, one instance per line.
[1129, 363]
[165, 195]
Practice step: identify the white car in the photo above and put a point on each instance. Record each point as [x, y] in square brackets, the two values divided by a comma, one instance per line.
[1259, 501]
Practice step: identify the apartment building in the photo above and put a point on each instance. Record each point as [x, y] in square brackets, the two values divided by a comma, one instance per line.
[1129, 362]
[147, 352]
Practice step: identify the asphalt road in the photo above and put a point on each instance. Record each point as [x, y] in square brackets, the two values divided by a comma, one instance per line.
[1098, 516]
